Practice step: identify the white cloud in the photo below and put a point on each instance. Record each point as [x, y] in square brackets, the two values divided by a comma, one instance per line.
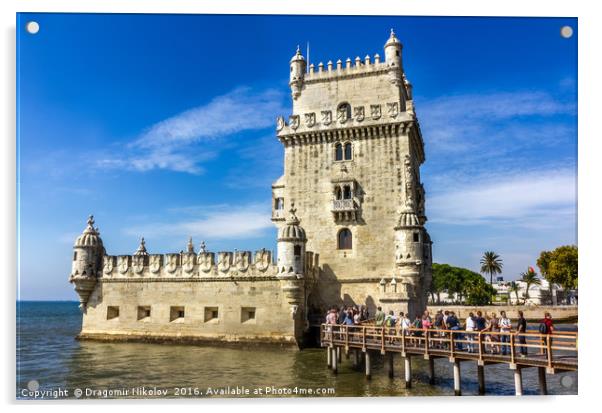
[180, 143]
[476, 122]
[214, 222]
[532, 199]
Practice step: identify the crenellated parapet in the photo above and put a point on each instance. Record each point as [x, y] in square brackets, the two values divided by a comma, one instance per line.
[190, 265]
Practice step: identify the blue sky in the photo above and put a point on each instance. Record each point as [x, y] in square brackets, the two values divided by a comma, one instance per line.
[163, 126]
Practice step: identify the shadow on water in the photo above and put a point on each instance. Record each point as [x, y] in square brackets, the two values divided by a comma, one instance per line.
[48, 353]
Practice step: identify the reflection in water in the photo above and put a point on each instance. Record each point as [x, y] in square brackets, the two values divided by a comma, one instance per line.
[47, 352]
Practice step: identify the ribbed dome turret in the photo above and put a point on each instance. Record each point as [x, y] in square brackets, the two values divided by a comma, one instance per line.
[90, 237]
[408, 219]
[392, 39]
[141, 248]
[297, 56]
[292, 231]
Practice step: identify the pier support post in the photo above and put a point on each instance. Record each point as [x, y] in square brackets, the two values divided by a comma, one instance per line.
[368, 366]
[390, 362]
[408, 371]
[518, 381]
[481, 375]
[457, 379]
[335, 360]
[329, 357]
[543, 385]
[339, 355]
[431, 371]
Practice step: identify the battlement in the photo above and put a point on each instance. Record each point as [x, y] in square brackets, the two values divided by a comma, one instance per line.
[357, 67]
[196, 265]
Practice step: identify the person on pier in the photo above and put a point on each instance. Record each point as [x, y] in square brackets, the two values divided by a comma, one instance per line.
[505, 329]
[521, 329]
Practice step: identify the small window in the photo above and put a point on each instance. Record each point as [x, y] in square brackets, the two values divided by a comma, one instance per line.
[397, 53]
[416, 237]
[74, 255]
[211, 314]
[279, 203]
[144, 312]
[345, 239]
[346, 192]
[297, 250]
[348, 151]
[112, 312]
[176, 314]
[338, 152]
[247, 315]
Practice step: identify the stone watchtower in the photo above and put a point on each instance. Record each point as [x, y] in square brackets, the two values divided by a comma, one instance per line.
[353, 150]
[88, 252]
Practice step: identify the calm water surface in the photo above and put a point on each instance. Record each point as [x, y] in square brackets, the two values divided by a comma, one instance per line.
[48, 354]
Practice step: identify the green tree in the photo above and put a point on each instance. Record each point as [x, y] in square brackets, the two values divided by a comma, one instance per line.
[491, 263]
[514, 288]
[465, 284]
[543, 263]
[530, 278]
[563, 267]
[438, 282]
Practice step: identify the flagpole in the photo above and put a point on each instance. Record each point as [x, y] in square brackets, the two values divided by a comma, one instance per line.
[307, 67]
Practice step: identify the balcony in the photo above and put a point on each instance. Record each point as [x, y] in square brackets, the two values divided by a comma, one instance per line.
[343, 205]
[345, 210]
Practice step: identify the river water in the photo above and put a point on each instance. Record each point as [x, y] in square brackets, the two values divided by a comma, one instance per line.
[52, 362]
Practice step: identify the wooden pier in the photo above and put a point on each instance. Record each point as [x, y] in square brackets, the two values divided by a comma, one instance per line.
[549, 353]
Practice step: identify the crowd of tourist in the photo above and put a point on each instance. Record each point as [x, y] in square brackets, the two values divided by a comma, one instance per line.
[489, 324]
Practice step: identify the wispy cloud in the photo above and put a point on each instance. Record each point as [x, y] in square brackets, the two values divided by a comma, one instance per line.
[213, 222]
[470, 122]
[181, 142]
[531, 199]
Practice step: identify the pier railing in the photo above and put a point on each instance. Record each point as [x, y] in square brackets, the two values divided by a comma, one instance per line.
[554, 352]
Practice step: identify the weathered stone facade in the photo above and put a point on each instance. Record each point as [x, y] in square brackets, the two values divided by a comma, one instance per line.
[353, 150]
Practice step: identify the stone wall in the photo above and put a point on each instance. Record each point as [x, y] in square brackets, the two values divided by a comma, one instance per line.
[530, 312]
[248, 311]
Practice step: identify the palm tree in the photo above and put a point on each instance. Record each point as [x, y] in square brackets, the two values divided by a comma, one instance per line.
[514, 288]
[530, 278]
[491, 263]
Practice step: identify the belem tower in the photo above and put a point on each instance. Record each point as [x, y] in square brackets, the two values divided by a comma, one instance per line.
[350, 213]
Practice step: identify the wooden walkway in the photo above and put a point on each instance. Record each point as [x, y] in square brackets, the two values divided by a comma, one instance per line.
[551, 354]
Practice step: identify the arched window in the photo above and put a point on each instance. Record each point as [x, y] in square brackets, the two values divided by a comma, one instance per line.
[279, 203]
[345, 241]
[297, 250]
[338, 152]
[337, 192]
[346, 192]
[348, 151]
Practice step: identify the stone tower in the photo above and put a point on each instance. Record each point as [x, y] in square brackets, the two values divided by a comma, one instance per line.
[352, 152]
[88, 252]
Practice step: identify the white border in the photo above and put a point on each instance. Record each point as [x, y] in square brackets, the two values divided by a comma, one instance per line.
[590, 69]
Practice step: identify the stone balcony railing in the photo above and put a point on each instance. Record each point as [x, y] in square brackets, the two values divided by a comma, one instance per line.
[343, 205]
[345, 210]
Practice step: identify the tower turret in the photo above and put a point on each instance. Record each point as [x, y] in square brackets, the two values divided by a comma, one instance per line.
[298, 69]
[393, 59]
[393, 51]
[291, 245]
[88, 253]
